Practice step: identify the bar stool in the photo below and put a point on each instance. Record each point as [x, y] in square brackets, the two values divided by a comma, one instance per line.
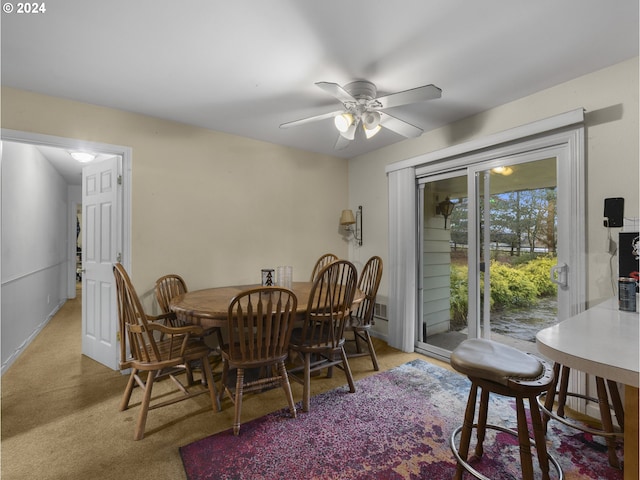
[606, 401]
[496, 368]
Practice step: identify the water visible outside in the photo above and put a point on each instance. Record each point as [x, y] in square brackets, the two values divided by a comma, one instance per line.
[523, 324]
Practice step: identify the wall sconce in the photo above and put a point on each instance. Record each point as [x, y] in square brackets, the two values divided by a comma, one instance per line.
[347, 220]
[445, 208]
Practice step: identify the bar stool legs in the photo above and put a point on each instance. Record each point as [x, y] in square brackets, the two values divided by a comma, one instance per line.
[466, 430]
[561, 376]
[503, 370]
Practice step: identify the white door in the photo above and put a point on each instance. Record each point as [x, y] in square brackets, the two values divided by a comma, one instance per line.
[101, 242]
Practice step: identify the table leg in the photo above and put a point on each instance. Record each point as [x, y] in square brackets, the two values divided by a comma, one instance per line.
[630, 433]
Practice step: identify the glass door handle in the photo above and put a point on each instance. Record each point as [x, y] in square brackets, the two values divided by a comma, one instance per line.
[559, 275]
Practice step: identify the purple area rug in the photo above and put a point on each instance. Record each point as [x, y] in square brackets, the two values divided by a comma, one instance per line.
[396, 426]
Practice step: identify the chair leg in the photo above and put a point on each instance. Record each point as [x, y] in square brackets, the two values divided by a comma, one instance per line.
[356, 340]
[539, 437]
[189, 372]
[126, 398]
[219, 337]
[607, 423]
[286, 386]
[207, 375]
[223, 385]
[564, 388]
[551, 395]
[617, 402]
[523, 439]
[347, 370]
[482, 421]
[306, 386]
[467, 427]
[144, 407]
[238, 400]
[372, 351]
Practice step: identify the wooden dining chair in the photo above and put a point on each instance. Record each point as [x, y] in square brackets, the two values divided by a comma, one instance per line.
[160, 359]
[167, 287]
[320, 340]
[170, 286]
[361, 321]
[322, 262]
[260, 324]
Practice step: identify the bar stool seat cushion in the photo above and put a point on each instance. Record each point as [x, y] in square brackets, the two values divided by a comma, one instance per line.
[495, 362]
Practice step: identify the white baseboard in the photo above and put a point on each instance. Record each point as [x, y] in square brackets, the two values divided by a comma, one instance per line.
[12, 358]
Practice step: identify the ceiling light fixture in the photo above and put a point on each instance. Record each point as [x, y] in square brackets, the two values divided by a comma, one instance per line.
[370, 132]
[346, 123]
[83, 157]
[506, 171]
[349, 133]
[371, 123]
[343, 122]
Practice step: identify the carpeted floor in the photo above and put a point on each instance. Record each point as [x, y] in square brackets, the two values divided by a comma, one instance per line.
[396, 426]
[60, 418]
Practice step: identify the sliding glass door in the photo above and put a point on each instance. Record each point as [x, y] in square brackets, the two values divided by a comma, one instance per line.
[493, 262]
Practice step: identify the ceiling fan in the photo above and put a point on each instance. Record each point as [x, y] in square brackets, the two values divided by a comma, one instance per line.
[363, 108]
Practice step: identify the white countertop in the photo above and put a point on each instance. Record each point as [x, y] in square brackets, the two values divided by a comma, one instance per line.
[602, 341]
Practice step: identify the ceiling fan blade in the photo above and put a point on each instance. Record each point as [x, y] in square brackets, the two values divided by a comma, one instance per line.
[337, 91]
[341, 143]
[415, 95]
[399, 126]
[315, 118]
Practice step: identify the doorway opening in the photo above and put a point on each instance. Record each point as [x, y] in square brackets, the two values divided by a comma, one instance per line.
[57, 151]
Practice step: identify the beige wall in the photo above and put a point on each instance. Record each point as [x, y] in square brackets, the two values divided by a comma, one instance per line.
[213, 207]
[610, 98]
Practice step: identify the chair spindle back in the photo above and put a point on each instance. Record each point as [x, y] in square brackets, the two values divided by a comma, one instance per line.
[329, 304]
[368, 283]
[260, 323]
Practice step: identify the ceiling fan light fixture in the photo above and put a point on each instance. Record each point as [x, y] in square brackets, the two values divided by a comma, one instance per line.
[362, 105]
[371, 120]
[343, 122]
[371, 123]
[350, 132]
[370, 132]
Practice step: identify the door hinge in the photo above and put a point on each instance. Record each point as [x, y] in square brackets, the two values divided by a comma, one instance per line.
[119, 179]
[118, 336]
[119, 258]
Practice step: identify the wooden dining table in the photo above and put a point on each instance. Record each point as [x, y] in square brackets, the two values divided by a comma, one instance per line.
[209, 307]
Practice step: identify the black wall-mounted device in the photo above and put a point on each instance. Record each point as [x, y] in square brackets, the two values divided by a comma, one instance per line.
[613, 212]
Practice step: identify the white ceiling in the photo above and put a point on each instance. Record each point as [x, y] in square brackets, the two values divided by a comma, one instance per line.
[246, 66]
